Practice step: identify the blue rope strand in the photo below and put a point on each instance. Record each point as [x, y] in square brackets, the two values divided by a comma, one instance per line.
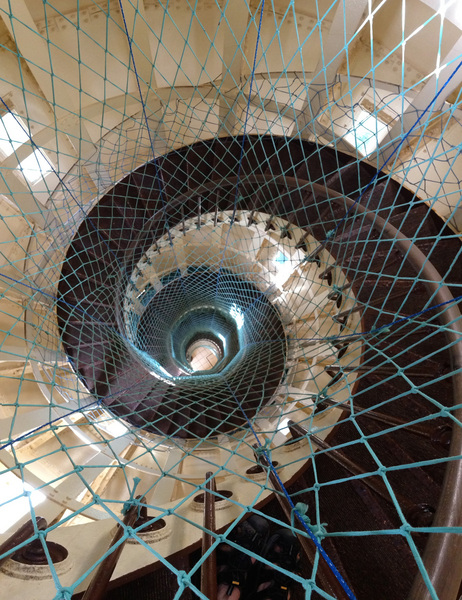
[315, 540]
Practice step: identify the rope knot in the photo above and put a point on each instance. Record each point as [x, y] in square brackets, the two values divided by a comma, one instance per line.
[264, 450]
[131, 533]
[301, 510]
[405, 528]
[132, 501]
[183, 579]
[320, 530]
[382, 330]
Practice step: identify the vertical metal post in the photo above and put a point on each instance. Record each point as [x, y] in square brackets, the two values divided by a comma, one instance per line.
[209, 566]
[98, 585]
[21, 535]
[328, 581]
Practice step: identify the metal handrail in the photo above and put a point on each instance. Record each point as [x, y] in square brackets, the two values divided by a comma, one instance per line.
[442, 548]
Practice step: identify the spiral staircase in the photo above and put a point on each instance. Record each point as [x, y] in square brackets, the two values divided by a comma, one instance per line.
[231, 274]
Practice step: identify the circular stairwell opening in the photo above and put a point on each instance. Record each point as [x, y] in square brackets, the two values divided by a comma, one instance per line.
[203, 354]
[202, 327]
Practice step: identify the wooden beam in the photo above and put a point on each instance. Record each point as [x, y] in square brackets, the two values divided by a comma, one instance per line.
[98, 585]
[209, 566]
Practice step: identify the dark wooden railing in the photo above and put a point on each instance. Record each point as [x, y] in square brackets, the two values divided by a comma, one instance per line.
[209, 566]
[24, 533]
[328, 580]
[98, 585]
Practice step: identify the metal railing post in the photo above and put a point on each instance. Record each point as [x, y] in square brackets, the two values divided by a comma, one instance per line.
[209, 566]
[98, 585]
[328, 580]
[21, 535]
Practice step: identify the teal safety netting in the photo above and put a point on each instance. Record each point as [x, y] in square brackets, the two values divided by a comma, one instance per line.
[230, 250]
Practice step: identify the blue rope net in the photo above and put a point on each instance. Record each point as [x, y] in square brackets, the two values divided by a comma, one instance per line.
[221, 252]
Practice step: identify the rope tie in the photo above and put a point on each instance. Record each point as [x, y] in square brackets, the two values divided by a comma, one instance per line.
[264, 450]
[132, 501]
[183, 579]
[336, 289]
[302, 509]
[405, 528]
[130, 532]
[381, 330]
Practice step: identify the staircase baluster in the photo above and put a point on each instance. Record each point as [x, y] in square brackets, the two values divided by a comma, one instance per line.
[328, 580]
[209, 566]
[362, 306]
[379, 370]
[302, 241]
[21, 535]
[183, 225]
[199, 211]
[326, 272]
[98, 585]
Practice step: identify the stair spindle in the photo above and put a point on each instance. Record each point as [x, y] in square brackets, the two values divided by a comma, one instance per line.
[328, 580]
[98, 585]
[420, 429]
[21, 535]
[209, 566]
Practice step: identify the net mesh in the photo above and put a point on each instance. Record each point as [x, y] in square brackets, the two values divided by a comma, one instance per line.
[230, 250]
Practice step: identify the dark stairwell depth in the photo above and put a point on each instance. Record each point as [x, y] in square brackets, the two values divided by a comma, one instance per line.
[405, 361]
